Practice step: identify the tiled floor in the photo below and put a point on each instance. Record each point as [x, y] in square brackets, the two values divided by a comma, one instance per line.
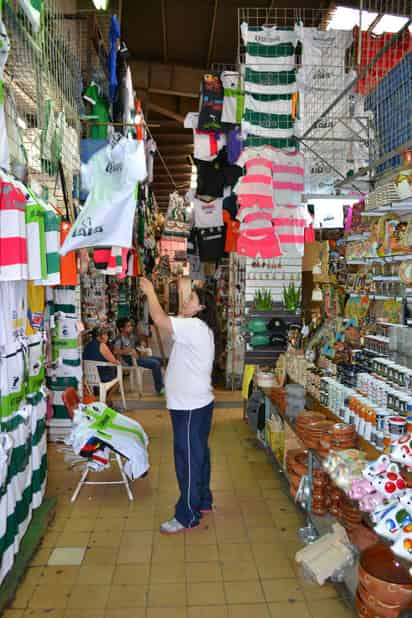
[239, 564]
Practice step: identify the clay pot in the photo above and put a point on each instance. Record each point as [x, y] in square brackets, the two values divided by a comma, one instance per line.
[377, 607]
[384, 577]
[362, 610]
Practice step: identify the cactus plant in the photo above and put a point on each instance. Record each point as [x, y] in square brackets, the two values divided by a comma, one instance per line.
[263, 300]
[292, 296]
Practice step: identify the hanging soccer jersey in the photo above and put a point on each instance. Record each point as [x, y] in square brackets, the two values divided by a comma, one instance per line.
[68, 268]
[107, 217]
[13, 241]
[208, 214]
[207, 144]
[35, 308]
[100, 111]
[323, 59]
[269, 48]
[52, 240]
[288, 177]
[33, 9]
[36, 239]
[12, 315]
[290, 224]
[211, 103]
[233, 97]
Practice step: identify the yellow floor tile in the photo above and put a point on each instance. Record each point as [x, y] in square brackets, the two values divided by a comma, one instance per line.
[166, 612]
[13, 613]
[330, 607]
[100, 555]
[203, 572]
[134, 555]
[131, 574]
[201, 553]
[282, 590]
[260, 610]
[167, 595]
[235, 552]
[292, 610]
[244, 592]
[124, 597]
[135, 612]
[23, 595]
[239, 571]
[58, 575]
[208, 611]
[51, 597]
[41, 613]
[88, 597]
[98, 575]
[211, 593]
[168, 573]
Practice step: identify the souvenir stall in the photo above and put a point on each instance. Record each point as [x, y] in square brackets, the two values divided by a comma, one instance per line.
[333, 412]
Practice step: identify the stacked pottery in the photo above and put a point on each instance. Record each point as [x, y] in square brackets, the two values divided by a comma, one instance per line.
[314, 433]
[304, 419]
[343, 437]
[279, 398]
[336, 498]
[297, 466]
[385, 586]
[351, 516]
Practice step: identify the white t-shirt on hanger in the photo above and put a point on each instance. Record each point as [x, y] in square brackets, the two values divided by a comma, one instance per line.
[4, 144]
[208, 214]
[107, 217]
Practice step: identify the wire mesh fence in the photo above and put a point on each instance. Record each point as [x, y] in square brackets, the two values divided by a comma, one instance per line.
[350, 84]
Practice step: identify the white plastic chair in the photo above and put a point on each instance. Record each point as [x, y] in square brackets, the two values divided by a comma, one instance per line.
[92, 379]
[136, 372]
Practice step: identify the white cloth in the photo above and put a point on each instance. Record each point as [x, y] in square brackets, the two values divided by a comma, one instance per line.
[188, 379]
[118, 432]
[4, 144]
[208, 214]
[328, 214]
[191, 120]
[107, 217]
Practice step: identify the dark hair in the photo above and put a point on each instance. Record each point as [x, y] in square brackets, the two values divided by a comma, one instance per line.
[208, 315]
[121, 323]
[99, 331]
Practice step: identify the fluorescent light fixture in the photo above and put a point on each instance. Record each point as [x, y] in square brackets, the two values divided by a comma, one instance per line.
[345, 18]
[389, 23]
[194, 169]
[101, 5]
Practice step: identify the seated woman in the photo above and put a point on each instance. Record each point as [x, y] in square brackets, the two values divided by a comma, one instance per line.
[125, 347]
[98, 350]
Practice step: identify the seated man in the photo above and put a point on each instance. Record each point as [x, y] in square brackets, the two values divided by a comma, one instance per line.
[125, 347]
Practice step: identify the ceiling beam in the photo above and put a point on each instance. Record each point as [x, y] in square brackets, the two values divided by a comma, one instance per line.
[164, 30]
[166, 112]
[212, 34]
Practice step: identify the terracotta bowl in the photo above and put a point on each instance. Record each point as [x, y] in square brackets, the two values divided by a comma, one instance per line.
[377, 607]
[384, 577]
[362, 610]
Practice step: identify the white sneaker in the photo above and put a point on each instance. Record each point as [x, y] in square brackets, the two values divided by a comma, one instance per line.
[172, 527]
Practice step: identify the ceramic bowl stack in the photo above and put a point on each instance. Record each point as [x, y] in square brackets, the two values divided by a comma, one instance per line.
[304, 419]
[297, 466]
[343, 437]
[335, 502]
[385, 586]
[351, 516]
[314, 433]
[279, 399]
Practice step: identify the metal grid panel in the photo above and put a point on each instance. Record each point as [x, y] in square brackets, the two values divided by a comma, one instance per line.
[338, 133]
[42, 98]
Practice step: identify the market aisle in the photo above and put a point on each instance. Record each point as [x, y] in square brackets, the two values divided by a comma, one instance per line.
[238, 565]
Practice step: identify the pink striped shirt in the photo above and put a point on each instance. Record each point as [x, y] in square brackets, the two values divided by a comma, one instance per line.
[13, 242]
[290, 226]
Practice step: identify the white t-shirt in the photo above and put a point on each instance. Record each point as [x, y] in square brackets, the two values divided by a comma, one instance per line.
[107, 217]
[189, 373]
[208, 214]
